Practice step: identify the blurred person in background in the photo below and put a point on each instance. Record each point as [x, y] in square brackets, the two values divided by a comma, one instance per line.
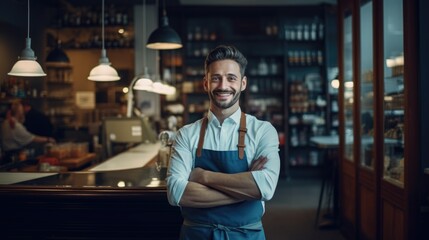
[16, 139]
[36, 121]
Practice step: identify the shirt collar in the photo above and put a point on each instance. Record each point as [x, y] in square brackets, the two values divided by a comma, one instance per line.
[234, 117]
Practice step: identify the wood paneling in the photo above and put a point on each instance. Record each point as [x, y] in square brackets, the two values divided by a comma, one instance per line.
[87, 214]
[393, 222]
[347, 205]
[368, 213]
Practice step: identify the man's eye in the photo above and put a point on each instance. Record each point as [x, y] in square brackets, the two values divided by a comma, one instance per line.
[215, 78]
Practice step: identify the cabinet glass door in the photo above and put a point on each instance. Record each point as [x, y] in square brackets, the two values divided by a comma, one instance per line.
[393, 92]
[366, 85]
[348, 86]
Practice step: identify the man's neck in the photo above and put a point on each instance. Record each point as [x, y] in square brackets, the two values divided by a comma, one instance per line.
[222, 114]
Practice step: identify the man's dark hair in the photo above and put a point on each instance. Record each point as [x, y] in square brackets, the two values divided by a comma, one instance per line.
[224, 52]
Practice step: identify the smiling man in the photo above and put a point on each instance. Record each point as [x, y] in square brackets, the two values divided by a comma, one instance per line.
[226, 165]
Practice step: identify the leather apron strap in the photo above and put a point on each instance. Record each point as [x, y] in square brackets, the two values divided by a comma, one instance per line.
[202, 135]
[241, 136]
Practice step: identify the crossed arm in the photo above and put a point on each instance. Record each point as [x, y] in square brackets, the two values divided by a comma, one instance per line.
[210, 189]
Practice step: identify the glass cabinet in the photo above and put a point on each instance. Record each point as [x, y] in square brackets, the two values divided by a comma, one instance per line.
[393, 101]
[366, 85]
[347, 81]
[383, 185]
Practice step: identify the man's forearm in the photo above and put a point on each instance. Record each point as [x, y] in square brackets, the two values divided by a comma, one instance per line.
[200, 196]
[239, 185]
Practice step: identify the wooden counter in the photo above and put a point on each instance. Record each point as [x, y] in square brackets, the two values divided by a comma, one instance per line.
[114, 204]
[78, 162]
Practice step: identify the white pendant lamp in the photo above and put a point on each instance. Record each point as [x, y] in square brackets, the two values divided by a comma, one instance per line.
[144, 82]
[164, 37]
[160, 86]
[141, 82]
[27, 66]
[104, 72]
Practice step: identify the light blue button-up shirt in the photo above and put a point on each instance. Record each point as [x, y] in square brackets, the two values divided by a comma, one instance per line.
[261, 140]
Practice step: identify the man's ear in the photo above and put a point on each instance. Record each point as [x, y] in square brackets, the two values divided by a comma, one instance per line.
[205, 84]
[243, 83]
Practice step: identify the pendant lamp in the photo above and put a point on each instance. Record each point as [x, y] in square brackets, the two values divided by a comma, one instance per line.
[103, 72]
[27, 66]
[164, 37]
[144, 82]
[160, 86]
[141, 82]
[57, 55]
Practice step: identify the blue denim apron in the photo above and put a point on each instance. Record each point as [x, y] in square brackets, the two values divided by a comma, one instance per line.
[235, 221]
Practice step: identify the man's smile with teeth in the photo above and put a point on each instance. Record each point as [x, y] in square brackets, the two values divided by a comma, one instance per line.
[223, 93]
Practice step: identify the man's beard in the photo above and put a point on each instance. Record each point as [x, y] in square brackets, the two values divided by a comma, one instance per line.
[222, 104]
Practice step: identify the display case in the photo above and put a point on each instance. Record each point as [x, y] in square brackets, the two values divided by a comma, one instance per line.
[380, 164]
[393, 93]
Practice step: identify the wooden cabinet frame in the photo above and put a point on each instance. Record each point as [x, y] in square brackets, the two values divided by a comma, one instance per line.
[370, 206]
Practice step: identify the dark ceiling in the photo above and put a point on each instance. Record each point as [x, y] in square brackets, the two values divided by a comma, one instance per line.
[76, 3]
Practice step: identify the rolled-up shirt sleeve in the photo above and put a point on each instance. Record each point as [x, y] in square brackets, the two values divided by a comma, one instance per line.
[267, 145]
[181, 162]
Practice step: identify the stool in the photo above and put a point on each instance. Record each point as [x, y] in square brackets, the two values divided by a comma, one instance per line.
[329, 181]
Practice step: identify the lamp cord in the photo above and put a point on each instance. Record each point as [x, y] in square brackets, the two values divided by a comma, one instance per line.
[28, 20]
[164, 11]
[144, 34]
[102, 24]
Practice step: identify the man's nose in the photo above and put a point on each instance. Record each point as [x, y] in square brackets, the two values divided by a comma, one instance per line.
[223, 82]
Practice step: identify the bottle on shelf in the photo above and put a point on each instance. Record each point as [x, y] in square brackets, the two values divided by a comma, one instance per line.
[263, 67]
[294, 140]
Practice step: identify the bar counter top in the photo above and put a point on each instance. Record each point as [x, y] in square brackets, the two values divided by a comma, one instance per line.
[144, 177]
[123, 198]
[133, 168]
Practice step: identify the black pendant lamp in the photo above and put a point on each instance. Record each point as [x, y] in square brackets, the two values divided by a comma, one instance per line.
[57, 55]
[164, 37]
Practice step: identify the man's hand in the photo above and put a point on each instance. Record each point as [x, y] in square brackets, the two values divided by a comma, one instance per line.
[199, 194]
[197, 175]
[258, 164]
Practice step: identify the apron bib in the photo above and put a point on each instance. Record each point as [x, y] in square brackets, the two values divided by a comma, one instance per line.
[235, 221]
